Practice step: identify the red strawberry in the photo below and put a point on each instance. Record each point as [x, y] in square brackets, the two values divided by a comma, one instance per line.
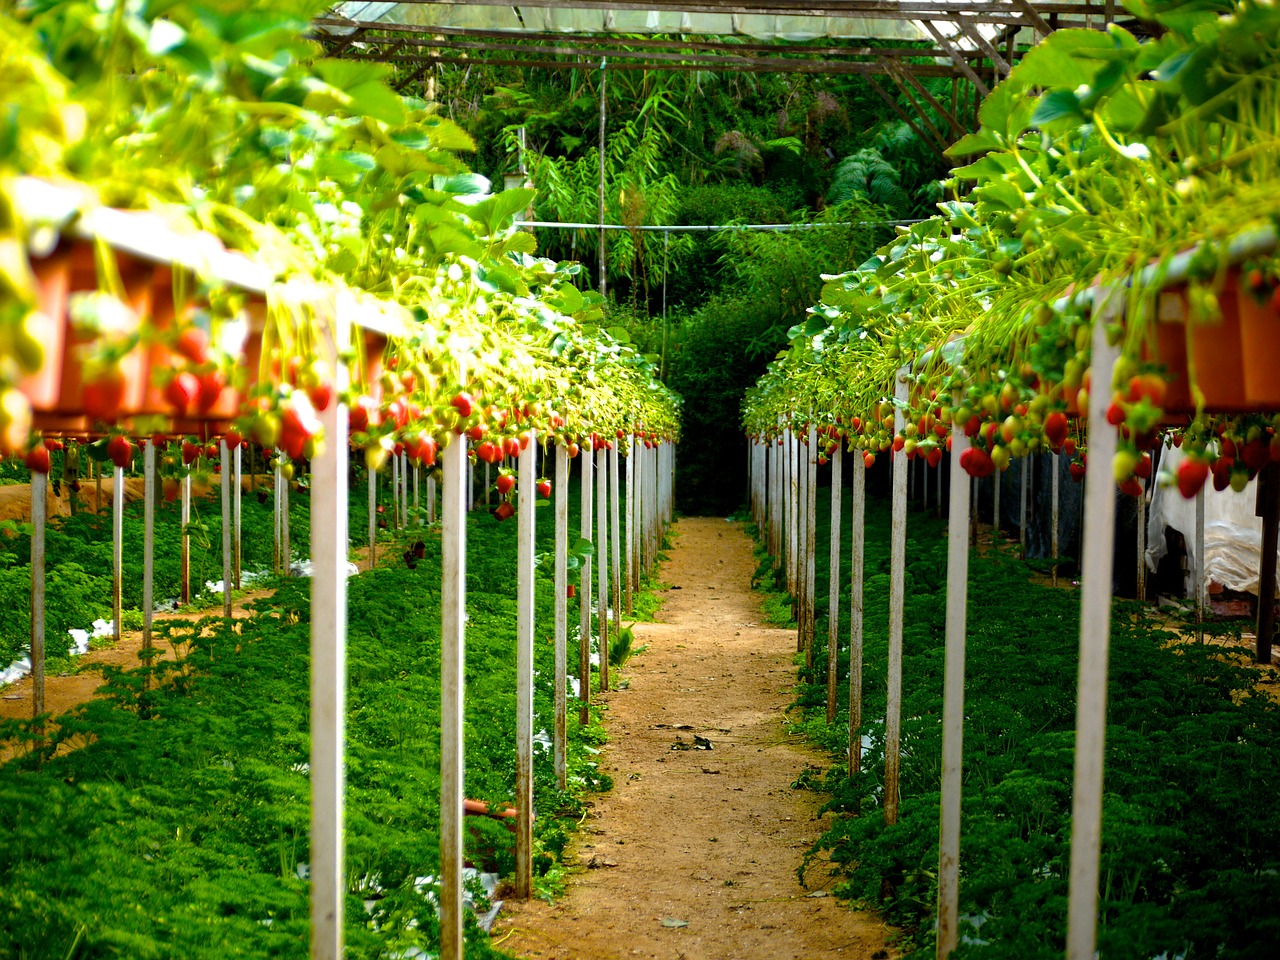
[544, 488]
[934, 456]
[171, 488]
[1056, 427]
[505, 483]
[1222, 473]
[212, 383]
[1255, 455]
[53, 443]
[120, 450]
[190, 452]
[427, 451]
[193, 343]
[103, 397]
[1142, 469]
[462, 403]
[1077, 471]
[476, 433]
[1115, 413]
[1149, 385]
[233, 439]
[489, 452]
[362, 412]
[977, 462]
[1069, 446]
[182, 391]
[211, 451]
[1191, 477]
[1132, 486]
[37, 459]
[298, 424]
[573, 449]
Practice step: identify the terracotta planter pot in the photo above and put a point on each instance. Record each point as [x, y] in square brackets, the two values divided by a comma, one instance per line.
[1215, 347]
[1260, 340]
[53, 286]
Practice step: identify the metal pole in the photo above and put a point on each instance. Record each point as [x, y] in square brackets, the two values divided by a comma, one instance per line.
[1140, 580]
[637, 464]
[858, 539]
[833, 582]
[897, 591]
[584, 595]
[328, 666]
[793, 512]
[453, 601]
[526, 495]
[953, 699]
[39, 513]
[417, 507]
[562, 614]
[602, 566]
[1095, 638]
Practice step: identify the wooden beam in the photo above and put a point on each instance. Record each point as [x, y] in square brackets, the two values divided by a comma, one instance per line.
[974, 34]
[1034, 18]
[905, 86]
[902, 115]
[957, 57]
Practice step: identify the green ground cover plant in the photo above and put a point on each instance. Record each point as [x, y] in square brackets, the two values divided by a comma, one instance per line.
[1190, 749]
[179, 824]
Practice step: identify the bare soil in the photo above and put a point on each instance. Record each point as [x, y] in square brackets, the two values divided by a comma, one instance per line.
[694, 853]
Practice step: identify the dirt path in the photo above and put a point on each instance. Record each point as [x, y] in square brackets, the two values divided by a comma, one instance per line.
[711, 838]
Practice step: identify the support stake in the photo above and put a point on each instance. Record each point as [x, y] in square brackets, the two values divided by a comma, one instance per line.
[562, 615]
[897, 590]
[526, 495]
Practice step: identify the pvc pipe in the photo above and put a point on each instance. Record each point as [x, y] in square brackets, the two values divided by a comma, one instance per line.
[453, 602]
[1095, 638]
[953, 700]
[431, 498]
[39, 513]
[584, 596]
[526, 495]
[857, 539]
[897, 590]
[833, 582]
[561, 735]
[602, 566]
[329, 667]
[395, 491]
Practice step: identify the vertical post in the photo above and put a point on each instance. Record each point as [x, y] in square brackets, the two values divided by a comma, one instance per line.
[39, 513]
[793, 500]
[1268, 507]
[453, 603]
[562, 615]
[953, 700]
[417, 508]
[995, 504]
[1095, 640]
[1140, 578]
[328, 663]
[1197, 569]
[632, 581]
[833, 582]
[225, 485]
[857, 539]
[526, 494]
[1024, 466]
[615, 538]
[117, 550]
[373, 516]
[278, 512]
[604, 286]
[395, 491]
[148, 550]
[602, 563]
[1055, 469]
[186, 539]
[584, 594]
[236, 510]
[811, 546]
[897, 589]
[431, 498]
[637, 466]
[286, 551]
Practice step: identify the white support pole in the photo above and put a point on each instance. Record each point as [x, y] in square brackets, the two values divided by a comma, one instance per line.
[236, 505]
[833, 582]
[793, 511]
[857, 539]
[526, 497]
[602, 565]
[395, 491]
[584, 592]
[225, 457]
[453, 602]
[775, 502]
[148, 547]
[117, 550]
[488, 482]
[278, 513]
[995, 504]
[562, 615]
[417, 487]
[953, 700]
[810, 590]
[186, 540]
[286, 550]
[471, 485]
[1095, 641]
[1055, 512]
[404, 490]
[329, 664]
[897, 590]
[39, 513]
[373, 516]
[1197, 569]
[431, 499]
[1140, 581]
[637, 465]
[632, 583]
[615, 538]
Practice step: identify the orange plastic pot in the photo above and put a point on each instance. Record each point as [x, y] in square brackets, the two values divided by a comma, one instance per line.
[1215, 347]
[1260, 340]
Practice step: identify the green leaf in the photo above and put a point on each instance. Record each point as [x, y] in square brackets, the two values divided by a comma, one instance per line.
[1064, 60]
[971, 143]
[165, 36]
[463, 184]
[349, 74]
[1056, 105]
[619, 333]
[375, 99]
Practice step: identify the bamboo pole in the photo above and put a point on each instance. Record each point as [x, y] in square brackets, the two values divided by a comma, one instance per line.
[953, 700]
[602, 566]
[833, 582]
[39, 514]
[453, 603]
[1095, 636]
[897, 588]
[526, 495]
[562, 616]
[584, 595]
[857, 540]
[328, 666]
